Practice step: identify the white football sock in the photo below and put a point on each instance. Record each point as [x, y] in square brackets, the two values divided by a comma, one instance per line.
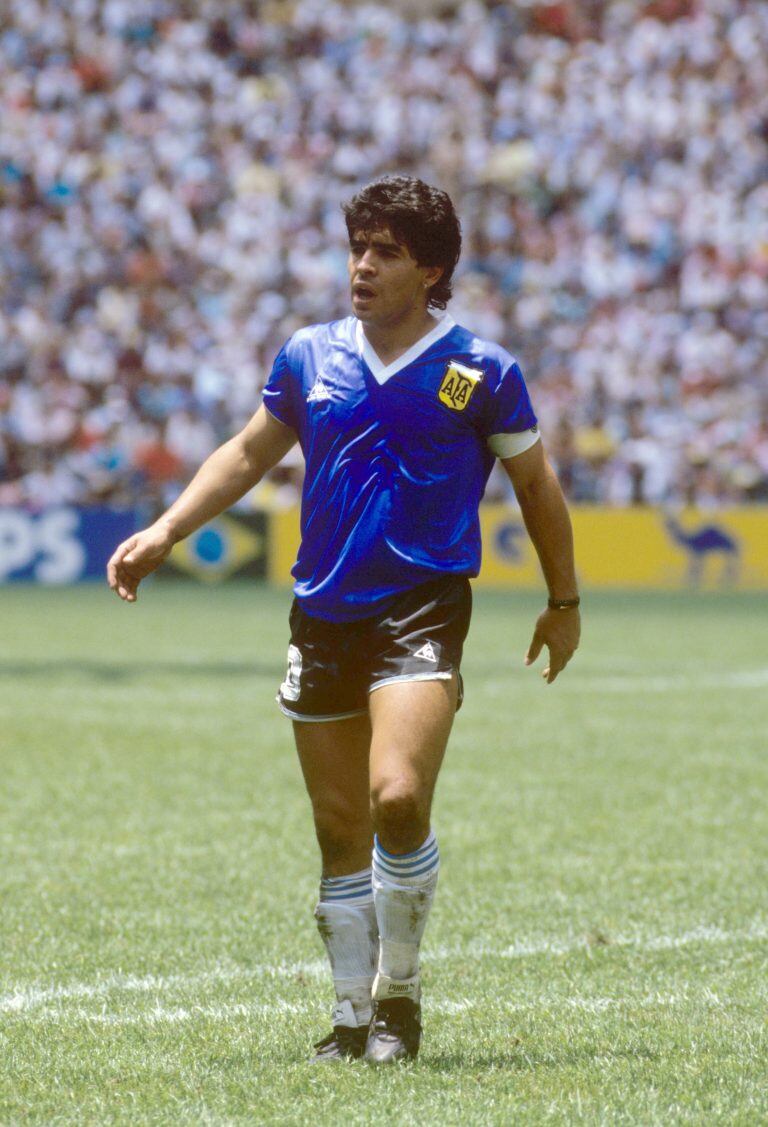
[346, 921]
[403, 890]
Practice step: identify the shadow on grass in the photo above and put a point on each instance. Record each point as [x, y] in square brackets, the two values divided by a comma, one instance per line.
[123, 671]
[519, 1059]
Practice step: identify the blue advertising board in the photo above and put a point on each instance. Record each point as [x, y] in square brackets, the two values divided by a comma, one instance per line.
[64, 544]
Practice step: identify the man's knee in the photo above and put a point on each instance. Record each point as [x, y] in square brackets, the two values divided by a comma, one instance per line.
[400, 813]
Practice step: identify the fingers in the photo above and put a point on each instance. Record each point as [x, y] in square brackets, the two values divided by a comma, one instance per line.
[558, 659]
[127, 587]
[112, 569]
[535, 648]
[118, 577]
[560, 634]
[114, 564]
[559, 656]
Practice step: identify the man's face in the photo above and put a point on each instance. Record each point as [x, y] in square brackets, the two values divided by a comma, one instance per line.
[387, 284]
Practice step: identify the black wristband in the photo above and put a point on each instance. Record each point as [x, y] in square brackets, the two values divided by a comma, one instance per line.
[563, 604]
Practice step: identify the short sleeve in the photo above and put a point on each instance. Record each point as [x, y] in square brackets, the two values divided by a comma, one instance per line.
[279, 391]
[510, 423]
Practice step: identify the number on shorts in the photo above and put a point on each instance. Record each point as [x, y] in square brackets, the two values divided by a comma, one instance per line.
[291, 686]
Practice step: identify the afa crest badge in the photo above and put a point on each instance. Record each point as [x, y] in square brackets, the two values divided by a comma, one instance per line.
[459, 383]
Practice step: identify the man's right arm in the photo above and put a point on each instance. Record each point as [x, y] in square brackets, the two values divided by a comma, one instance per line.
[223, 478]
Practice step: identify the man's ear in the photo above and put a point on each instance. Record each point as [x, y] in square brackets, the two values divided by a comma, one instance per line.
[432, 275]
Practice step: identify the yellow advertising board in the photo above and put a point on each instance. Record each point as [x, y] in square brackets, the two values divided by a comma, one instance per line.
[640, 548]
[283, 544]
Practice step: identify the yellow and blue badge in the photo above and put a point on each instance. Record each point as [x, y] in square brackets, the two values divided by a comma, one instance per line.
[459, 382]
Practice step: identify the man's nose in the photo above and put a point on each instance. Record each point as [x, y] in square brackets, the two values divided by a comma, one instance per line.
[366, 262]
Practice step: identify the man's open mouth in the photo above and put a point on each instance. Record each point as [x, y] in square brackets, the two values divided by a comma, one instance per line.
[361, 290]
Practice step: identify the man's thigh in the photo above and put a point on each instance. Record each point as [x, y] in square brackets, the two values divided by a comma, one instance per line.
[325, 692]
[411, 722]
[334, 762]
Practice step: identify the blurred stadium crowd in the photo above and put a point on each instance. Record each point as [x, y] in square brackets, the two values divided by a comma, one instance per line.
[170, 181]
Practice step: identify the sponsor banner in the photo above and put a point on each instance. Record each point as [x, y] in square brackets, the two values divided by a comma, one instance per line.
[634, 548]
[640, 548]
[234, 544]
[64, 544]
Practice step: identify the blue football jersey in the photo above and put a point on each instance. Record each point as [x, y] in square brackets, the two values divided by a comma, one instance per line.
[397, 457]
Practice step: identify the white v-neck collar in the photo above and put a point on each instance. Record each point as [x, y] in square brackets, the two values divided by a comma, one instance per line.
[382, 371]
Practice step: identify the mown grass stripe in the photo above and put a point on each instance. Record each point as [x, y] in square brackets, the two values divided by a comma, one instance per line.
[581, 681]
[25, 997]
[279, 1007]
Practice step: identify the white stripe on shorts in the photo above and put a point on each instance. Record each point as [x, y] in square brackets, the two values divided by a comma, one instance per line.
[445, 676]
[319, 719]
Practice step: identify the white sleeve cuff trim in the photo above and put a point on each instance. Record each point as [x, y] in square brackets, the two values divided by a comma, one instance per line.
[509, 445]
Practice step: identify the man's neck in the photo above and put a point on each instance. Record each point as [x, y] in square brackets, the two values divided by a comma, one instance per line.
[391, 341]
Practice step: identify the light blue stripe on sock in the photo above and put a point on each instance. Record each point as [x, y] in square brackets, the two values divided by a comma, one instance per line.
[414, 860]
[411, 862]
[353, 886]
[342, 882]
[361, 874]
[337, 897]
[394, 874]
[426, 844]
[403, 874]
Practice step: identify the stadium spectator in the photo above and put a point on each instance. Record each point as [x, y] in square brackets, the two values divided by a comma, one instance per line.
[169, 184]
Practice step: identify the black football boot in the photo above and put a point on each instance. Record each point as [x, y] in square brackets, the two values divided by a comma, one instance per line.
[395, 1031]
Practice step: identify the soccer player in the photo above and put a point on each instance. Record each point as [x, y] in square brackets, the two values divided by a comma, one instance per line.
[400, 414]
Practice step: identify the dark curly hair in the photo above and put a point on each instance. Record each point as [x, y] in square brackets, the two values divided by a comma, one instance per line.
[418, 216]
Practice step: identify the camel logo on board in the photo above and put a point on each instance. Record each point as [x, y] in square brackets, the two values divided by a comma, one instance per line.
[703, 542]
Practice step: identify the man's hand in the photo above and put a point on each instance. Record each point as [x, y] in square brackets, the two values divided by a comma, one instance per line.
[559, 630]
[224, 477]
[136, 558]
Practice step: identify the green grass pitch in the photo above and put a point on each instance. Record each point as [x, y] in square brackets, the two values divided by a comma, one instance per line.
[598, 948]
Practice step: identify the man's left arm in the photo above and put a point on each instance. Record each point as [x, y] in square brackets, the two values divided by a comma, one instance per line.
[549, 527]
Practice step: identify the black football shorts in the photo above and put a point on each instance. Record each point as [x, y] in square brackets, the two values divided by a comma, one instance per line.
[333, 666]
